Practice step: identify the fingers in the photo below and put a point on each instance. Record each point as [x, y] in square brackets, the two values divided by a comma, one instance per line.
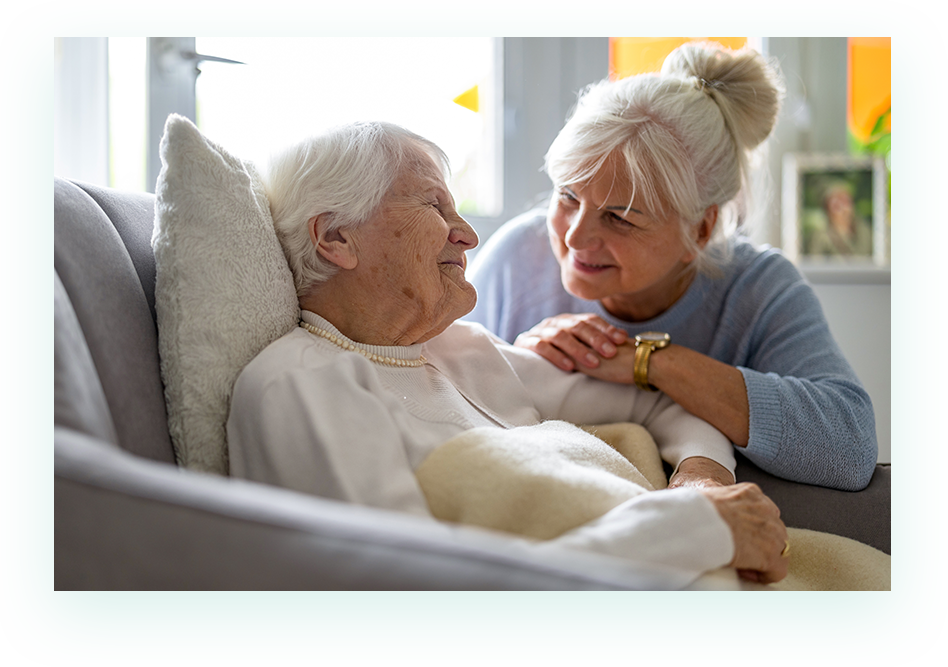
[571, 340]
[759, 534]
[546, 350]
[598, 334]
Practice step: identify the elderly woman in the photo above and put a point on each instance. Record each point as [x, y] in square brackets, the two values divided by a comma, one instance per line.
[379, 374]
[634, 273]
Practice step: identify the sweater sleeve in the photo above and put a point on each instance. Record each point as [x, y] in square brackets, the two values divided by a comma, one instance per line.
[810, 418]
[278, 433]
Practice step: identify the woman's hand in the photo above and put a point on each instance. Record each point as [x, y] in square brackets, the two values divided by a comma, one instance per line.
[700, 472]
[703, 386]
[759, 534]
[573, 341]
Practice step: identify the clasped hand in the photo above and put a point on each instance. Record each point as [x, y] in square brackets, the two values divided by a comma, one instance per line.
[759, 533]
[585, 343]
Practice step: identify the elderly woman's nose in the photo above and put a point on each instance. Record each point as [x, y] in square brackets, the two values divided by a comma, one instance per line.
[463, 233]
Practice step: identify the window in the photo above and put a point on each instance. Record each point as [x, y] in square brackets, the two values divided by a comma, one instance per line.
[127, 98]
[525, 87]
[445, 89]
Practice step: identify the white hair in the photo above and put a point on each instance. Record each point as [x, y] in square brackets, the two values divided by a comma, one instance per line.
[346, 173]
[684, 135]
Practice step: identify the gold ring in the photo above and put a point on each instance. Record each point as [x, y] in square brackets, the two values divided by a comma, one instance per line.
[786, 549]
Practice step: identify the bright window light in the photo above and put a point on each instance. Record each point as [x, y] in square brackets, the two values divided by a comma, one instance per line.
[127, 101]
[290, 88]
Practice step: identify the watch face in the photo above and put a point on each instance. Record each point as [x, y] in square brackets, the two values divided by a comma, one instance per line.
[654, 337]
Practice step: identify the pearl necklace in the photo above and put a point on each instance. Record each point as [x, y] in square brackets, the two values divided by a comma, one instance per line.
[371, 356]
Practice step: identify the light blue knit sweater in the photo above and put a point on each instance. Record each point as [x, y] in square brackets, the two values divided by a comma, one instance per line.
[810, 418]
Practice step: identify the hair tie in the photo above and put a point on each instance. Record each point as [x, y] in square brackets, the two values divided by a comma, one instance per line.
[705, 85]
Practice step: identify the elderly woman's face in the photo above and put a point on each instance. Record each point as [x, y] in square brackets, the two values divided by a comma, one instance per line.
[415, 250]
[630, 261]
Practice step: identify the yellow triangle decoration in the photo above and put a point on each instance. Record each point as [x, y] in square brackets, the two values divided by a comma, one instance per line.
[468, 99]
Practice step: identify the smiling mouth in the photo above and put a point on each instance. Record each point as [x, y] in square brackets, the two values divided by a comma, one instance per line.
[585, 267]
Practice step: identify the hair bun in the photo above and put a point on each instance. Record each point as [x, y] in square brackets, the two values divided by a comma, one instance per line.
[744, 85]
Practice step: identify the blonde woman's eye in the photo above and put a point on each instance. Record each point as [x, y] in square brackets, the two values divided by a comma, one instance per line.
[619, 220]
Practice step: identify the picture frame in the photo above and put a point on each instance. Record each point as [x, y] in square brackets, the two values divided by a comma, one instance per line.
[836, 210]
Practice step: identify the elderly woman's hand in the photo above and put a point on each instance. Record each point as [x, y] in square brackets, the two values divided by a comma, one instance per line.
[573, 342]
[759, 534]
[700, 472]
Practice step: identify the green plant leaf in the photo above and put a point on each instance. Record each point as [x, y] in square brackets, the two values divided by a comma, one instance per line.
[882, 145]
[879, 127]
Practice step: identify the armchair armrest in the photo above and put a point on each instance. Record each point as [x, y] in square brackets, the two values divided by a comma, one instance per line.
[122, 522]
[864, 515]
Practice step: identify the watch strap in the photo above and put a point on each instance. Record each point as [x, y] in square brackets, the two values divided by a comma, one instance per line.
[643, 351]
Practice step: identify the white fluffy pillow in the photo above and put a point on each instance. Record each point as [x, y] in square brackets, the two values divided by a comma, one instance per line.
[224, 290]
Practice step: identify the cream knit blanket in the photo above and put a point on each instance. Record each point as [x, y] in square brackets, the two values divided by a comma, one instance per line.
[541, 481]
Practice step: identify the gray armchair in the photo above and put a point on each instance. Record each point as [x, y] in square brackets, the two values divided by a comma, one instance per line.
[127, 517]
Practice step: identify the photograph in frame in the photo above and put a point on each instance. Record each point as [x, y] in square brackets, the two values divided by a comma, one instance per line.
[835, 209]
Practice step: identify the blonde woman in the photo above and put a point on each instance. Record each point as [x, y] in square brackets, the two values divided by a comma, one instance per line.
[635, 273]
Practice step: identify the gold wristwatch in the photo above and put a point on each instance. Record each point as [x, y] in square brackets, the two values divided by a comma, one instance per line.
[646, 343]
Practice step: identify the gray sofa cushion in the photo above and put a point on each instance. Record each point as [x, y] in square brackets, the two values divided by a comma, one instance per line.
[104, 288]
[132, 214]
[79, 400]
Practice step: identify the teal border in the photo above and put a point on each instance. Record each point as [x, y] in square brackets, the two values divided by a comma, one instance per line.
[469, 628]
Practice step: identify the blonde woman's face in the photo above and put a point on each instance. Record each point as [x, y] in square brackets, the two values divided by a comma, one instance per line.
[630, 259]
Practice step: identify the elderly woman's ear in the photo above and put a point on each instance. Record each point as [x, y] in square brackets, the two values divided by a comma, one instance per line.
[334, 245]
